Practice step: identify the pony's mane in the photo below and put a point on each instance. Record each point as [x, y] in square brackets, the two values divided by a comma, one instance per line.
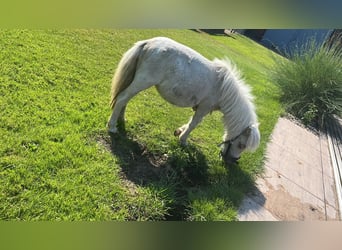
[236, 103]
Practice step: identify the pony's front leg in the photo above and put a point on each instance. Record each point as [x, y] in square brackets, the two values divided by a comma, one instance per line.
[179, 130]
[184, 131]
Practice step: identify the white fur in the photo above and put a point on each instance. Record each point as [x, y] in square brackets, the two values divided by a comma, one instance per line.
[237, 105]
[187, 79]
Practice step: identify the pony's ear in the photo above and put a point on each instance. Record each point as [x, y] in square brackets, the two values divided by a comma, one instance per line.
[248, 131]
[253, 138]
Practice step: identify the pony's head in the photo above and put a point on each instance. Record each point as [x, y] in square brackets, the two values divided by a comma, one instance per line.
[248, 140]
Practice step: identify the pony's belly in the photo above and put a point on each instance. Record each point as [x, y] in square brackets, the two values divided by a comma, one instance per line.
[182, 97]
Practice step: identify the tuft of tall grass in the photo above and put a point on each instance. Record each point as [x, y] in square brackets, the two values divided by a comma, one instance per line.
[311, 82]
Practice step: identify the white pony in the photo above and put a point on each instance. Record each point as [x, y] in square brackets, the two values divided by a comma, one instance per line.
[185, 78]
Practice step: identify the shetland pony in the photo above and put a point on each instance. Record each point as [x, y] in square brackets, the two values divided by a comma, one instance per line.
[185, 78]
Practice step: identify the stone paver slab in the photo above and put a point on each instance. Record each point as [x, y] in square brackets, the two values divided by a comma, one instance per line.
[298, 181]
[299, 171]
[252, 211]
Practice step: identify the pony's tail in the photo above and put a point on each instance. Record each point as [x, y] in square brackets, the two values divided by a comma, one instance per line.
[125, 71]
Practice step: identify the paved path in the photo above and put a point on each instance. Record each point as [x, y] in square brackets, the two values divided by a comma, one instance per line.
[298, 181]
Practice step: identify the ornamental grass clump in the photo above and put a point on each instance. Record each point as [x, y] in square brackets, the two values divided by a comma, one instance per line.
[311, 82]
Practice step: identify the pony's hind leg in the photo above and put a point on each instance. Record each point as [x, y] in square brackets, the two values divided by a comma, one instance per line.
[113, 120]
[118, 114]
[120, 105]
[121, 119]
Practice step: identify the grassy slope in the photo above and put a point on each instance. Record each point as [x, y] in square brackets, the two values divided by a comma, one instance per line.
[54, 157]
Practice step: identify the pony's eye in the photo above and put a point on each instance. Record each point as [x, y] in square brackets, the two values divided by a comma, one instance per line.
[241, 146]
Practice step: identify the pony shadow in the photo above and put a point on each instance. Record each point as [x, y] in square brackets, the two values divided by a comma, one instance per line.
[234, 187]
[144, 167]
[186, 167]
[184, 170]
[252, 202]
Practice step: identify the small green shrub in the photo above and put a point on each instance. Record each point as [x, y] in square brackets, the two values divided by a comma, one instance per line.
[311, 82]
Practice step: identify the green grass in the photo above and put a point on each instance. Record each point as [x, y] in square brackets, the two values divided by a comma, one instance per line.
[56, 162]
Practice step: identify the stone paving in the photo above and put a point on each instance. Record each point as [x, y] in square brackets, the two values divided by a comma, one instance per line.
[298, 181]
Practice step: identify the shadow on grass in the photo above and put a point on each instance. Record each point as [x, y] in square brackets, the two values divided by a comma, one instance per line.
[181, 172]
[144, 167]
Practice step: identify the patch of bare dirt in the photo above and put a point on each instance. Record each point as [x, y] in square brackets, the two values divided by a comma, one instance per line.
[288, 208]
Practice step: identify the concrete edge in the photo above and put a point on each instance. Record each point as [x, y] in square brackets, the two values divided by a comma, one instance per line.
[336, 176]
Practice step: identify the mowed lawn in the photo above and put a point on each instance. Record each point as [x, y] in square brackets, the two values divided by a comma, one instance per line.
[57, 161]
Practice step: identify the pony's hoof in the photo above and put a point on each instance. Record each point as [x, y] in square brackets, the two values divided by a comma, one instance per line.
[112, 130]
[183, 143]
[177, 132]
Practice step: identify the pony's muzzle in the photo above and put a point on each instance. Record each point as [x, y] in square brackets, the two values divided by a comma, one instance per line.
[229, 160]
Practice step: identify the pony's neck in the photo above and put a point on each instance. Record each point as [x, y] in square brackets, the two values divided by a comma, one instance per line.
[235, 103]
